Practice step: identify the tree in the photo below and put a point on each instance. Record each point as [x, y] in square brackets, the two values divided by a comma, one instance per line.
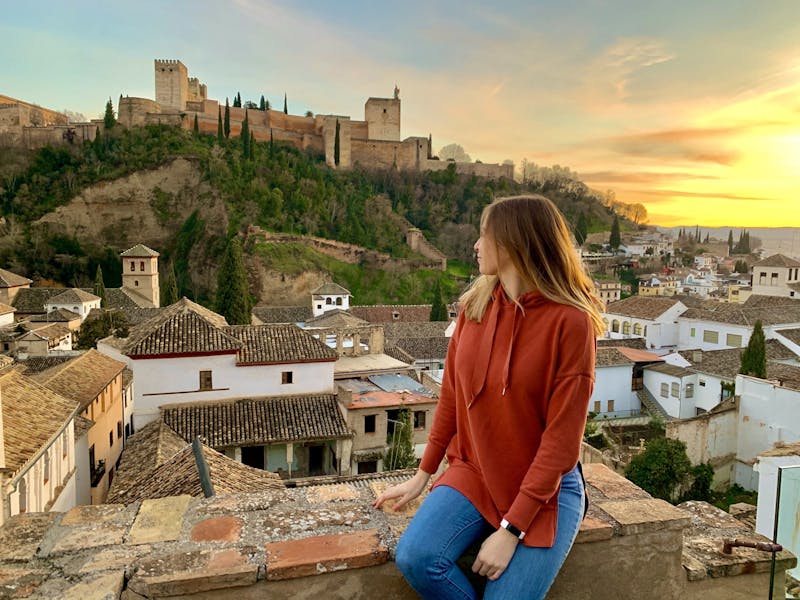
[285, 105]
[438, 308]
[220, 130]
[251, 147]
[109, 322]
[169, 289]
[401, 449]
[195, 128]
[309, 113]
[741, 266]
[237, 100]
[754, 357]
[233, 294]
[454, 152]
[262, 105]
[614, 240]
[336, 145]
[109, 120]
[245, 137]
[661, 468]
[227, 122]
[100, 287]
[581, 229]
[730, 242]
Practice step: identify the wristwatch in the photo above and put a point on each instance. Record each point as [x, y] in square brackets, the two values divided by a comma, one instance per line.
[511, 529]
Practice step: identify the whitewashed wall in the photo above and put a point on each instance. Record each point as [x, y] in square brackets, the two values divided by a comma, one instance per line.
[614, 383]
[679, 407]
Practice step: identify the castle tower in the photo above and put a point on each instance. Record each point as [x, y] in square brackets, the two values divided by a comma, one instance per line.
[172, 84]
[383, 119]
[140, 274]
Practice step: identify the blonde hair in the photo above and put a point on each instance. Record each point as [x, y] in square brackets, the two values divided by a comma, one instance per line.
[540, 246]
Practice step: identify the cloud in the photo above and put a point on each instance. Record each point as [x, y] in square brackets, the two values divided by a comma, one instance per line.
[671, 194]
[640, 177]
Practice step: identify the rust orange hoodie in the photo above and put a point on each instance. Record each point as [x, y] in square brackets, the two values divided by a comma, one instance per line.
[512, 410]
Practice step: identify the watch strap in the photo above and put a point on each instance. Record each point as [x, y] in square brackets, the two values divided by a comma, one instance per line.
[511, 529]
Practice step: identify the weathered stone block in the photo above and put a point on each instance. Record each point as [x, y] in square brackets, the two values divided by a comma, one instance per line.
[159, 520]
[21, 536]
[331, 493]
[217, 529]
[642, 516]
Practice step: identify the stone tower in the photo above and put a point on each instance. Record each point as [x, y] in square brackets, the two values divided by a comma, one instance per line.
[383, 119]
[172, 84]
[140, 274]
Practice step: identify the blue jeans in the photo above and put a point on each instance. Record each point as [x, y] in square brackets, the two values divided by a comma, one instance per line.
[447, 524]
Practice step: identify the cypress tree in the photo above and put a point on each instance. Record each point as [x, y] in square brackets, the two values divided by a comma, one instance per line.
[336, 145]
[100, 286]
[697, 233]
[754, 357]
[401, 450]
[251, 147]
[245, 136]
[705, 241]
[220, 134]
[263, 104]
[108, 118]
[438, 308]
[233, 294]
[196, 128]
[730, 241]
[227, 122]
[237, 100]
[581, 229]
[285, 105]
[169, 291]
[614, 239]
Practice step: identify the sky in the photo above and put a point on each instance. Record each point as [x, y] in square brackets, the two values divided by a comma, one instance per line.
[689, 107]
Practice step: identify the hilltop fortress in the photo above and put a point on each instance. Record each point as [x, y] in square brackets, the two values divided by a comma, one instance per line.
[374, 142]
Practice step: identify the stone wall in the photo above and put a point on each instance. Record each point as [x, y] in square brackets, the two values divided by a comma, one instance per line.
[383, 119]
[172, 84]
[491, 170]
[133, 112]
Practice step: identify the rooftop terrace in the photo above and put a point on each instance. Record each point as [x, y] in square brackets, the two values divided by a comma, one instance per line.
[326, 541]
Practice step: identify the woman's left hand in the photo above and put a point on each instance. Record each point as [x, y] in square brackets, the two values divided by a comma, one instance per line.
[495, 554]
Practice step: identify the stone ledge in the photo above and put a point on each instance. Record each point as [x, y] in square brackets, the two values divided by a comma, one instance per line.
[321, 554]
[643, 516]
[158, 520]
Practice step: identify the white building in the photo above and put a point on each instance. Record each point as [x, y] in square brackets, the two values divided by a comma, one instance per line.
[673, 387]
[613, 395]
[653, 318]
[777, 275]
[189, 354]
[37, 448]
[329, 296]
[75, 300]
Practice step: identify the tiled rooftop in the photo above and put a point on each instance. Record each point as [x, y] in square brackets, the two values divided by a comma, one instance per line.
[726, 363]
[37, 364]
[791, 334]
[635, 343]
[82, 379]
[9, 279]
[73, 296]
[6, 308]
[32, 414]
[385, 313]
[335, 318]
[254, 421]
[671, 370]
[641, 307]
[330, 289]
[414, 329]
[32, 300]
[611, 357]
[139, 251]
[434, 348]
[277, 344]
[777, 260]
[282, 314]
[747, 315]
[58, 315]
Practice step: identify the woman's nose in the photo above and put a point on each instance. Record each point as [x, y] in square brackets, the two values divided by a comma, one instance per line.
[476, 245]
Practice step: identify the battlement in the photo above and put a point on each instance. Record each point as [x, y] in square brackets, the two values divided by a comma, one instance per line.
[169, 62]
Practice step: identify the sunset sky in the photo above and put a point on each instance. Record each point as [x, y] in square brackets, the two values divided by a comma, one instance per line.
[691, 108]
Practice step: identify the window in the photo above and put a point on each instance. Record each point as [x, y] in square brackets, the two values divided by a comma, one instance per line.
[637, 329]
[135, 283]
[119, 429]
[610, 406]
[664, 390]
[286, 377]
[206, 381]
[133, 266]
[676, 390]
[692, 332]
[597, 407]
[615, 326]
[773, 280]
[702, 383]
[419, 419]
[710, 336]
[626, 328]
[762, 279]
[338, 302]
[319, 306]
[690, 390]
[111, 438]
[395, 315]
[369, 424]
[733, 340]
[328, 301]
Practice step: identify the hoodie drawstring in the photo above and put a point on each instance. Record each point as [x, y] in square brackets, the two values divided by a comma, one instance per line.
[507, 368]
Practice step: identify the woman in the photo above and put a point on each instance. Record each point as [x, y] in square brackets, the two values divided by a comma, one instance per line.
[517, 382]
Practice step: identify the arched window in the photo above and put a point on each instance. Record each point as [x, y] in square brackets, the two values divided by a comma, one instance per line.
[22, 488]
[141, 265]
[328, 301]
[626, 327]
[133, 265]
[637, 329]
[615, 326]
[338, 302]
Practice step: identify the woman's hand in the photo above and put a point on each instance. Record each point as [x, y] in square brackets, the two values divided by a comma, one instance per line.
[495, 554]
[406, 491]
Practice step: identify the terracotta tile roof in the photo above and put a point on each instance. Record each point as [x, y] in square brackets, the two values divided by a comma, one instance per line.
[726, 363]
[777, 260]
[282, 314]
[672, 370]
[139, 251]
[82, 426]
[73, 296]
[641, 307]
[433, 348]
[336, 318]
[46, 332]
[182, 328]
[399, 354]
[6, 308]
[36, 364]
[790, 334]
[32, 300]
[58, 315]
[331, 289]
[385, 313]
[9, 279]
[635, 343]
[256, 421]
[32, 414]
[420, 329]
[277, 344]
[742, 314]
[611, 357]
[164, 465]
[639, 356]
[759, 301]
[788, 376]
[82, 379]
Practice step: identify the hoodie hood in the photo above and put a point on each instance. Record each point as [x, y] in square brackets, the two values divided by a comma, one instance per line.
[500, 307]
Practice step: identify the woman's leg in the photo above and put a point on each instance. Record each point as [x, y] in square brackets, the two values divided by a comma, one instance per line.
[444, 526]
[532, 571]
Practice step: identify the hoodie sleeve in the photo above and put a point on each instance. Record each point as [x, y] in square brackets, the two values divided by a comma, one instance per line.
[444, 422]
[567, 408]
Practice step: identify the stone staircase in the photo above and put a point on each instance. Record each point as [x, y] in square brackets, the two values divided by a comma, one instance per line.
[652, 405]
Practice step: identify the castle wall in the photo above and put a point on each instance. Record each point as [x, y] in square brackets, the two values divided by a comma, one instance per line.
[359, 130]
[38, 137]
[379, 154]
[383, 118]
[329, 141]
[134, 111]
[491, 170]
[172, 84]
